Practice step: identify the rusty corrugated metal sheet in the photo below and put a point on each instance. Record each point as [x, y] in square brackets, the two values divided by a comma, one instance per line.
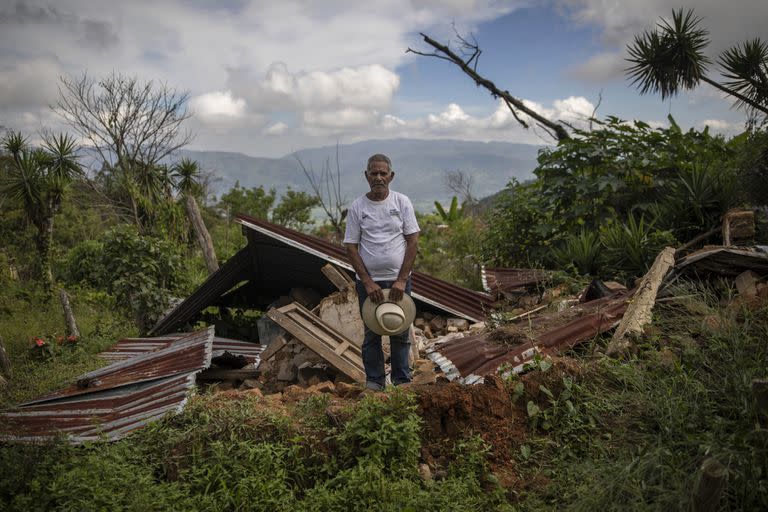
[501, 279]
[448, 297]
[730, 261]
[114, 400]
[236, 269]
[470, 358]
[130, 347]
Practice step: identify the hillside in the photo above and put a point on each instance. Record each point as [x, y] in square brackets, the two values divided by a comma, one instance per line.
[420, 166]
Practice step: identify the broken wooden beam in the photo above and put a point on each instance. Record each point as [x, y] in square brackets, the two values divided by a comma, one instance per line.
[712, 479]
[638, 314]
[340, 280]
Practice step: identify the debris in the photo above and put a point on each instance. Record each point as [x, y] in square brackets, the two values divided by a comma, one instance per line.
[438, 323]
[341, 311]
[287, 371]
[69, 316]
[321, 339]
[307, 297]
[460, 324]
[340, 279]
[596, 290]
[638, 314]
[738, 227]
[227, 374]
[746, 283]
[424, 472]
[269, 331]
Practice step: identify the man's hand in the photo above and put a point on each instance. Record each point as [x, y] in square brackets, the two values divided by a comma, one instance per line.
[397, 290]
[374, 291]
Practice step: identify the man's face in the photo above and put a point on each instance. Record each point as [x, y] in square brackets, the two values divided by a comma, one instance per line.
[379, 176]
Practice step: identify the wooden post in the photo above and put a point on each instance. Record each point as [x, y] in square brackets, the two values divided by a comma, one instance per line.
[712, 480]
[5, 362]
[760, 394]
[69, 316]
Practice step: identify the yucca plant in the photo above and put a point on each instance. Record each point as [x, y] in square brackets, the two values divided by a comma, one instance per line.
[583, 251]
[631, 247]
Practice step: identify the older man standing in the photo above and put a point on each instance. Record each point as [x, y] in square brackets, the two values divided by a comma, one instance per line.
[382, 239]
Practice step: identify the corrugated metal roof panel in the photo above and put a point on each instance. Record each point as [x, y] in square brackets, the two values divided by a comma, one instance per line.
[454, 299]
[500, 279]
[551, 334]
[116, 399]
[130, 347]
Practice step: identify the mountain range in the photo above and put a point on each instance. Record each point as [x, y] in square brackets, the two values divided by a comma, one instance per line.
[420, 167]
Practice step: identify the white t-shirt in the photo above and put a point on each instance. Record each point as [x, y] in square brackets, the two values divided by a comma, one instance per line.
[379, 229]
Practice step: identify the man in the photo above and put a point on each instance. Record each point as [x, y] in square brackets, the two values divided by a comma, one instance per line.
[382, 239]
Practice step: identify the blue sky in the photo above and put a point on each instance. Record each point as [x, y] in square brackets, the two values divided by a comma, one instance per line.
[266, 78]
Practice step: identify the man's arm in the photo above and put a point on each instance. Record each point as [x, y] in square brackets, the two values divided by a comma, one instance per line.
[411, 249]
[371, 288]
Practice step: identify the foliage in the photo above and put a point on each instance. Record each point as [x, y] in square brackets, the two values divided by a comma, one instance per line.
[385, 430]
[671, 57]
[639, 430]
[254, 201]
[453, 213]
[140, 271]
[295, 209]
[448, 251]
[631, 247]
[582, 250]
[681, 182]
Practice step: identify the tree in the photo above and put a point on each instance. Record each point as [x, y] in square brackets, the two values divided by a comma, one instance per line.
[187, 174]
[327, 189]
[671, 57]
[253, 201]
[467, 62]
[295, 209]
[37, 179]
[132, 126]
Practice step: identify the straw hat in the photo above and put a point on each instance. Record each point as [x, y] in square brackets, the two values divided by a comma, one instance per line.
[389, 318]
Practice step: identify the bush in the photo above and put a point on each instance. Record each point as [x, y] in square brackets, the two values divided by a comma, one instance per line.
[631, 248]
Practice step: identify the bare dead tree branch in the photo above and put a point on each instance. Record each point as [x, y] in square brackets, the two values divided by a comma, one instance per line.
[326, 186]
[445, 53]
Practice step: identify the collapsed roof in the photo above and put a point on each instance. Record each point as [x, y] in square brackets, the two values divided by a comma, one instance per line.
[277, 259]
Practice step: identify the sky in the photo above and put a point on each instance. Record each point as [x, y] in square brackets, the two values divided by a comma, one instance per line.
[268, 77]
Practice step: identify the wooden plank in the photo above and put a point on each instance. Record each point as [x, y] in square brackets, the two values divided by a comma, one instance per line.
[327, 333]
[340, 280]
[296, 325]
[273, 348]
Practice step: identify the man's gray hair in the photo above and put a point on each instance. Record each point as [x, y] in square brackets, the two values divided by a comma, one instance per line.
[378, 157]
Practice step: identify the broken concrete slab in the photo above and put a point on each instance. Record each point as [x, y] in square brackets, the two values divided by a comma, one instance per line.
[341, 311]
[460, 324]
[738, 227]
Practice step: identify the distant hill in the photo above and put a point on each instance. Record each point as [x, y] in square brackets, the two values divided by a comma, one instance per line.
[419, 166]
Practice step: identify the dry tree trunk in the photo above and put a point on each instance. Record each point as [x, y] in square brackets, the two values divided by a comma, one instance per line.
[203, 237]
[69, 316]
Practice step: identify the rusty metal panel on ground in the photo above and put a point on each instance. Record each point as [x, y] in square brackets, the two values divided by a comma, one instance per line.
[501, 279]
[114, 400]
[130, 347]
[470, 358]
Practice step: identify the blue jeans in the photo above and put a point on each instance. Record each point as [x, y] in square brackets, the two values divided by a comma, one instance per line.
[373, 355]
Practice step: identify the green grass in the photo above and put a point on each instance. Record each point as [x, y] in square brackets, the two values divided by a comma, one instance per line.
[25, 314]
[625, 435]
[640, 430]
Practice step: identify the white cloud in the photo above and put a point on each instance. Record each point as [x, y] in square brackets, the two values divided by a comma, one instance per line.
[600, 67]
[218, 105]
[278, 128]
[721, 127]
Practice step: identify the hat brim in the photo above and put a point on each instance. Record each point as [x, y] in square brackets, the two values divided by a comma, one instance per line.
[369, 313]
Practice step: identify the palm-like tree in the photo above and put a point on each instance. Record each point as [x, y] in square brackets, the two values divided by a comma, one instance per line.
[671, 57]
[187, 174]
[37, 179]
